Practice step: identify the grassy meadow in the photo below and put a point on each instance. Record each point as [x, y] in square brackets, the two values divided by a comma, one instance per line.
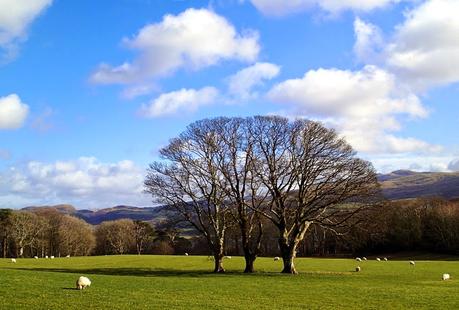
[181, 282]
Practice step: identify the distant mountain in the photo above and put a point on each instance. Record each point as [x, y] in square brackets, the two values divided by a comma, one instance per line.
[402, 184]
[149, 214]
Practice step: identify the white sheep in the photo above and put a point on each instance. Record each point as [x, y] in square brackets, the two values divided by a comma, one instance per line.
[82, 283]
[228, 257]
[68, 256]
[186, 254]
[13, 260]
[276, 258]
[378, 259]
[36, 257]
[46, 256]
[358, 259]
[446, 276]
[357, 269]
[364, 258]
[412, 263]
[52, 257]
[385, 259]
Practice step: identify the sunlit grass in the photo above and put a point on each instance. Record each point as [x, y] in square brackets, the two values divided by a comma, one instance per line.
[162, 282]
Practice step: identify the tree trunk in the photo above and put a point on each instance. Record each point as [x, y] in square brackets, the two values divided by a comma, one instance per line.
[249, 260]
[288, 253]
[218, 259]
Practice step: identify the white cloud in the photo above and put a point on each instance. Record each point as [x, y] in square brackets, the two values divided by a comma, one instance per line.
[385, 164]
[15, 17]
[183, 100]
[425, 48]
[242, 83]
[369, 42]
[13, 112]
[285, 7]
[365, 106]
[194, 39]
[85, 182]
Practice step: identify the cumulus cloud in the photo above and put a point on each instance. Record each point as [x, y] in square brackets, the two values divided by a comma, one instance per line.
[437, 163]
[183, 100]
[13, 112]
[425, 47]
[194, 39]
[365, 106]
[242, 83]
[368, 42]
[15, 17]
[283, 7]
[85, 182]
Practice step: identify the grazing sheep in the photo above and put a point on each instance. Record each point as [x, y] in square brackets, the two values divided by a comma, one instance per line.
[52, 257]
[227, 257]
[68, 256]
[358, 259]
[186, 254]
[36, 257]
[364, 258]
[385, 259]
[357, 269]
[378, 259]
[82, 283]
[46, 256]
[412, 263]
[446, 276]
[13, 260]
[276, 258]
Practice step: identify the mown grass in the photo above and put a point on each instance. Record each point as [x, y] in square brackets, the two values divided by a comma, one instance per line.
[180, 282]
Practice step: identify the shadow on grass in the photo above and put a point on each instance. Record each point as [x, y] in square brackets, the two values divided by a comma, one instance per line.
[160, 272]
[133, 272]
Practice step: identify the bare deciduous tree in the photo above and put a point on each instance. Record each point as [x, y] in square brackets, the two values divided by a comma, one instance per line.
[312, 176]
[76, 237]
[115, 237]
[143, 235]
[188, 178]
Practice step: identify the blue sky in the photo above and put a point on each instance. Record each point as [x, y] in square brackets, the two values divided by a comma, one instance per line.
[90, 90]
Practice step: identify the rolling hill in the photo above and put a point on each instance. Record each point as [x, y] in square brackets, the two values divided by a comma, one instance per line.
[400, 184]
[404, 184]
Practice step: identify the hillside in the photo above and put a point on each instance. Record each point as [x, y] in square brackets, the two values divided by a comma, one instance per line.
[403, 184]
[150, 214]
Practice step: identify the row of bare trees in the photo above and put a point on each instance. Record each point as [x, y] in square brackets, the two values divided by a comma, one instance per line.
[294, 174]
[44, 233]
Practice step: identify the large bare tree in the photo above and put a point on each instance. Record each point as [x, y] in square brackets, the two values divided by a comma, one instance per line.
[313, 177]
[188, 178]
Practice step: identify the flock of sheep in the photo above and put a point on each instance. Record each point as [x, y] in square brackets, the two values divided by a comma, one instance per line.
[445, 276]
[84, 282]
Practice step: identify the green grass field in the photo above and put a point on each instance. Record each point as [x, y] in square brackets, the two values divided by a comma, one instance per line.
[180, 282]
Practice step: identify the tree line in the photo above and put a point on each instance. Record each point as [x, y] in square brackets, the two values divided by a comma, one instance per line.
[422, 225]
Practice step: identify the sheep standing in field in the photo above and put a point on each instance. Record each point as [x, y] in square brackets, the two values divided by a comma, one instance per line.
[364, 258]
[357, 269]
[385, 259]
[412, 263]
[378, 259]
[36, 257]
[186, 254]
[68, 256]
[276, 258]
[358, 259]
[227, 257]
[13, 260]
[46, 256]
[52, 257]
[446, 276]
[82, 283]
